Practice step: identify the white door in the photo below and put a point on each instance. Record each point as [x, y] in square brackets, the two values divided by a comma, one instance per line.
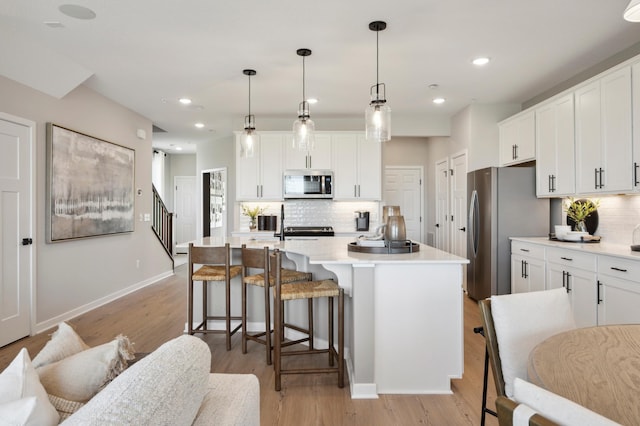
[442, 205]
[403, 187]
[16, 224]
[459, 208]
[185, 204]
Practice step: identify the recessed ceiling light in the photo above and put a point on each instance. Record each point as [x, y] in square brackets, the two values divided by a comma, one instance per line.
[199, 125]
[438, 100]
[185, 101]
[312, 100]
[53, 24]
[78, 12]
[178, 148]
[480, 61]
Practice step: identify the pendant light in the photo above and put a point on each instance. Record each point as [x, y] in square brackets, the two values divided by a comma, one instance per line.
[303, 127]
[632, 12]
[249, 138]
[378, 114]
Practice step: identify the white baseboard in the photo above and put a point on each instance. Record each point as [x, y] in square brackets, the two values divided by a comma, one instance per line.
[52, 322]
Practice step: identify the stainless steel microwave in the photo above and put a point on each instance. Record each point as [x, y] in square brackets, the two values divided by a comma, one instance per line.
[308, 184]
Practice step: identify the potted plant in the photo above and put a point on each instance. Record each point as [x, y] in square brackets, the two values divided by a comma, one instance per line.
[579, 210]
[253, 213]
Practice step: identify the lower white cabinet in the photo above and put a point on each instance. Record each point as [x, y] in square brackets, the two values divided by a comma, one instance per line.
[576, 272]
[527, 267]
[618, 291]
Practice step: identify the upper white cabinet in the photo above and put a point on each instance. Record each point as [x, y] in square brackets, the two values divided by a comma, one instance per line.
[603, 134]
[357, 166]
[517, 139]
[260, 177]
[318, 158]
[555, 148]
[635, 71]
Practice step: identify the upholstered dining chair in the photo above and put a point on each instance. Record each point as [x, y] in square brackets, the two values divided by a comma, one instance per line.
[513, 325]
[284, 292]
[534, 406]
[215, 267]
[258, 259]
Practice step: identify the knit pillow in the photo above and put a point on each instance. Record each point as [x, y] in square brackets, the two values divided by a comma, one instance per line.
[23, 400]
[64, 342]
[82, 375]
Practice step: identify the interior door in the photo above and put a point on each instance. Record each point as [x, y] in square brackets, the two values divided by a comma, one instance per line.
[442, 204]
[185, 200]
[16, 265]
[459, 208]
[403, 187]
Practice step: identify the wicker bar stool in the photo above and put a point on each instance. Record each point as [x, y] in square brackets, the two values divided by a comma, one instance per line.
[306, 290]
[259, 259]
[216, 266]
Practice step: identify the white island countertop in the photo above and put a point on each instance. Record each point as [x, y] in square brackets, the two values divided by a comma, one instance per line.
[334, 250]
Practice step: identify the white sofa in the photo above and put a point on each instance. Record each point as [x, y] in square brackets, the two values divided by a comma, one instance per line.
[173, 386]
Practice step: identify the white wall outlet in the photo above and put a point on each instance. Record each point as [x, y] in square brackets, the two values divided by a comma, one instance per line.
[147, 217]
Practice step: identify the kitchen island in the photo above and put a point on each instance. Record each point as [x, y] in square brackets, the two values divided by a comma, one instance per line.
[403, 319]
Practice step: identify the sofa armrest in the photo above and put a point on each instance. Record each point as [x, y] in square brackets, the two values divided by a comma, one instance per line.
[231, 400]
[165, 388]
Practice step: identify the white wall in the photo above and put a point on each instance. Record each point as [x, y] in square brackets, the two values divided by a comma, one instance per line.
[177, 165]
[76, 275]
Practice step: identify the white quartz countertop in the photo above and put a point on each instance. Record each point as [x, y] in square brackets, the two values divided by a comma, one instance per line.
[601, 248]
[333, 250]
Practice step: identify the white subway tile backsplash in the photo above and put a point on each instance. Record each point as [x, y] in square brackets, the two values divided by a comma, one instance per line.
[617, 218]
[338, 214]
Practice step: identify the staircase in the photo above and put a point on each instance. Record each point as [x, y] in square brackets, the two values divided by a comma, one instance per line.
[162, 224]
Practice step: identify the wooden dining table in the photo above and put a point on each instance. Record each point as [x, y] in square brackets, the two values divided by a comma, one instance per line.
[596, 367]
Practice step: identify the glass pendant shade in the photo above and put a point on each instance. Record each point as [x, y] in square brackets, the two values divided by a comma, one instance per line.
[632, 12]
[378, 122]
[304, 129]
[249, 138]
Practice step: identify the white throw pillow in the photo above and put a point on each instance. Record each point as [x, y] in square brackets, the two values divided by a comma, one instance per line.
[23, 400]
[80, 376]
[64, 342]
[522, 321]
[556, 408]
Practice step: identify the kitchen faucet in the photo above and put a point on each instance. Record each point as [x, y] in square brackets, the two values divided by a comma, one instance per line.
[281, 222]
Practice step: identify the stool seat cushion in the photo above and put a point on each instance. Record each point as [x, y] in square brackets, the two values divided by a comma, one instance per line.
[286, 276]
[215, 273]
[309, 290]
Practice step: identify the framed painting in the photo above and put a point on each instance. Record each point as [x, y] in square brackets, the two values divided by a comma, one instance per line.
[90, 186]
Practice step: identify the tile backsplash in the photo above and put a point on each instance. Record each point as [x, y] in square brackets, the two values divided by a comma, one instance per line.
[339, 214]
[617, 218]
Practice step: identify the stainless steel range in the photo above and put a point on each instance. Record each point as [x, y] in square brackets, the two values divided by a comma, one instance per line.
[308, 231]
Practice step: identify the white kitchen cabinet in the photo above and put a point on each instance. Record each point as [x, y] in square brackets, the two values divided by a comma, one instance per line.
[527, 267]
[319, 158]
[555, 148]
[517, 139]
[635, 78]
[260, 177]
[603, 134]
[618, 291]
[576, 272]
[357, 166]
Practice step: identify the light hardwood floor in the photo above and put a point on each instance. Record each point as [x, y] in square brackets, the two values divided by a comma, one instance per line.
[155, 314]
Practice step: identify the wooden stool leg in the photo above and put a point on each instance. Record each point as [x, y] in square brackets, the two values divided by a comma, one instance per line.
[244, 317]
[341, 339]
[190, 308]
[277, 331]
[205, 299]
[310, 322]
[227, 293]
[330, 305]
[267, 322]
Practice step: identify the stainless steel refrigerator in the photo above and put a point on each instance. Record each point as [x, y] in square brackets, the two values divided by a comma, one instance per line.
[502, 203]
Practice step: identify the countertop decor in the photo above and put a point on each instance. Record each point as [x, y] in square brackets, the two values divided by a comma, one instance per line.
[582, 215]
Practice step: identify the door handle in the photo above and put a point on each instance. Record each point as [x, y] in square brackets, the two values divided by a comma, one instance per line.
[463, 229]
[437, 225]
[27, 241]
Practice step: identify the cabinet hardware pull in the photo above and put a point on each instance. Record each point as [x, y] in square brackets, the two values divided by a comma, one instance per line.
[522, 268]
[601, 173]
[525, 250]
[550, 184]
[553, 183]
[599, 285]
[635, 174]
[568, 287]
[566, 258]
[596, 178]
[526, 267]
[564, 280]
[618, 269]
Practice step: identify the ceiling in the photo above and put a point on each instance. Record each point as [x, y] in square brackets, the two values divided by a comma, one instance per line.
[146, 54]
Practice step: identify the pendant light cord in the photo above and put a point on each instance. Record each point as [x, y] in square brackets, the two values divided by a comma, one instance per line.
[377, 65]
[249, 97]
[303, 74]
